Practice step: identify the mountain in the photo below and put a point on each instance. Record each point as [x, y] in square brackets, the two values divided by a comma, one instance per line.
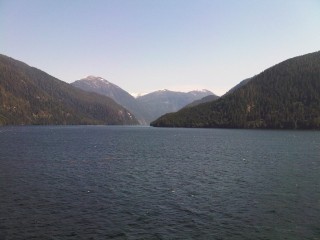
[206, 99]
[214, 97]
[147, 107]
[160, 102]
[31, 96]
[104, 87]
[242, 83]
[285, 96]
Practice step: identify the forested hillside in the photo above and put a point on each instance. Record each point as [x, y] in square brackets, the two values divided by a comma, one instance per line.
[31, 96]
[285, 96]
[120, 96]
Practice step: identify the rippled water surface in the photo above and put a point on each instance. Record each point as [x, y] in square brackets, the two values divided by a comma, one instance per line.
[97, 182]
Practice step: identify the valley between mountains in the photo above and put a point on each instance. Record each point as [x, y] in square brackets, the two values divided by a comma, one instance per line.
[29, 96]
[146, 108]
[284, 96]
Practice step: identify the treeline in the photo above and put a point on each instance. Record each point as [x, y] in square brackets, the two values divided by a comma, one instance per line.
[285, 96]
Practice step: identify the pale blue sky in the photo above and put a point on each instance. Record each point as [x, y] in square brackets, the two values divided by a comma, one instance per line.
[147, 45]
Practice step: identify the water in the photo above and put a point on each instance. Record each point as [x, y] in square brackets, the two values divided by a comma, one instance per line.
[97, 182]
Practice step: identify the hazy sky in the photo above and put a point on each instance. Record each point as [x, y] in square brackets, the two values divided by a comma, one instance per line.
[146, 45]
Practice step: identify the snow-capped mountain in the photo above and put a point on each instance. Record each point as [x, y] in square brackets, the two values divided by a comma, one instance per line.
[99, 85]
[145, 108]
[104, 87]
[164, 101]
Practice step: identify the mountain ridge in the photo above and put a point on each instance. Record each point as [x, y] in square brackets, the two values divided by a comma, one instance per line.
[284, 96]
[206, 99]
[104, 87]
[147, 107]
[164, 101]
[30, 96]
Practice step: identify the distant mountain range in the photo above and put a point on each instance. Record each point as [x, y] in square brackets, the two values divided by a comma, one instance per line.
[165, 101]
[147, 107]
[285, 96]
[31, 96]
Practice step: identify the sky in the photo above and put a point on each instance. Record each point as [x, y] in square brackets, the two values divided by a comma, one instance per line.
[148, 45]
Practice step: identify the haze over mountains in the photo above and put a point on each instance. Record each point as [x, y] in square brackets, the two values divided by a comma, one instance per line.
[146, 107]
[285, 96]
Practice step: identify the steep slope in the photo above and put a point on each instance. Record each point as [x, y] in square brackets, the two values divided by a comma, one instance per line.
[31, 96]
[242, 83]
[165, 101]
[214, 97]
[104, 87]
[285, 96]
[206, 99]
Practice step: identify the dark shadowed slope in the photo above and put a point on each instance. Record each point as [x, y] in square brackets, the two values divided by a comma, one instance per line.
[31, 96]
[285, 96]
[206, 99]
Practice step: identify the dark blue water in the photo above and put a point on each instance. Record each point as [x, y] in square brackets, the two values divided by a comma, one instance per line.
[145, 183]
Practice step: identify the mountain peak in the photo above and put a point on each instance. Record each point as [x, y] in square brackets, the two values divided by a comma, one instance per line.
[205, 91]
[94, 78]
[96, 82]
[164, 90]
